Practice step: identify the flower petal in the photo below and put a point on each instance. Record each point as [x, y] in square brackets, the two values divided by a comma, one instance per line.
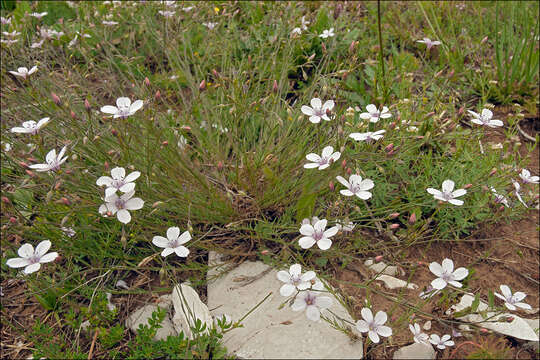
[132, 176]
[48, 257]
[323, 302]
[362, 326]
[104, 180]
[109, 109]
[283, 276]
[160, 241]
[26, 251]
[316, 103]
[167, 251]
[32, 268]
[42, 248]
[118, 173]
[438, 284]
[374, 336]
[173, 233]
[136, 106]
[367, 315]
[123, 216]
[384, 331]
[448, 265]
[306, 242]
[436, 268]
[307, 230]
[380, 317]
[324, 244]
[123, 102]
[182, 251]
[307, 110]
[460, 273]
[17, 262]
[287, 290]
[448, 186]
[134, 204]
[295, 269]
[313, 313]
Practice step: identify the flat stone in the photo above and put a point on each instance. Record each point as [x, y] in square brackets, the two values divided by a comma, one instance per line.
[188, 307]
[427, 325]
[395, 283]
[143, 314]
[382, 268]
[415, 351]
[519, 328]
[270, 332]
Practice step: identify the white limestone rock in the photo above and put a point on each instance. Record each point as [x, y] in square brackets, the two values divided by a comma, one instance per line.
[187, 308]
[395, 283]
[381, 267]
[415, 351]
[143, 314]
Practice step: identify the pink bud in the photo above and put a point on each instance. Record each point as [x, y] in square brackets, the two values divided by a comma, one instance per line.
[485, 188]
[392, 125]
[5, 200]
[56, 99]
[492, 172]
[393, 215]
[106, 165]
[87, 105]
[461, 110]
[323, 48]
[220, 165]
[484, 40]
[510, 319]
[501, 208]
[389, 147]
[420, 263]
[352, 46]
[23, 164]
[378, 258]
[484, 330]
[274, 86]
[412, 218]
[390, 153]
[108, 213]
[114, 132]
[264, 252]
[69, 172]
[467, 186]
[331, 185]
[349, 171]
[158, 95]
[215, 73]
[146, 81]
[451, 73]
[165, 143]
[13, 220]
[73, 116]
[344, 163]
[431, 113]
[186, 128]
[66, 201]
[30, 173]
[57, 185]
[394, 226]
[202, 85]
[420, 137]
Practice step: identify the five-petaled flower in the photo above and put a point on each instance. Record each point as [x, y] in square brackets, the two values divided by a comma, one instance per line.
[374, 115]
[31, 127]
[368, 136]
[441, 343]
[429, 43]
[53, 161]
[327, 33]
[356, 186]
[327, 157]
[499, 198]
[121, 205]
[373, 326]
[419, 336]
[317, 234]
[318, 110]
[119, 181]
[485, 118]
[32, 259]
[527, 178]
[312, 301]
[448, 193]
[294, 280]
[123, 108]
[446, 274]
[512, 301]
[38, 15]
[173, 243]
[166, 13]
[24, 72]
[345, 225]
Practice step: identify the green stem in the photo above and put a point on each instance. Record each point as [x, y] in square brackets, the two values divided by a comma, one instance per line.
[381, 59]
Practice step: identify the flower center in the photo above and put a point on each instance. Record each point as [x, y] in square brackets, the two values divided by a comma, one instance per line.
[117, 183]
[310, 299]
[447, 196]
[119, 203]
[317, 235]
[446, 277]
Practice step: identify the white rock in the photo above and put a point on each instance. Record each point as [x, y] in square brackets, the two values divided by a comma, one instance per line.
[427, 325]
[141, 316]
[382, 268]
[269, 332]
[395, 283]
[187, 308]
[518, 328]
[415, 351]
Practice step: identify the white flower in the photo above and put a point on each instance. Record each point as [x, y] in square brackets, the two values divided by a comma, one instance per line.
[123, 108]
[173, 243]
[305, 23]
[499, 198]
[516, 192]
[38, 44]
[171, 4]
[356, 186]
[24, 72]
[167, 14]
[327, 157]
[109, 23]
[527, 178]
[5, 146]
[120, 206]
[119, 181]
[317, 234]
[294, 280]
[368, 136]
[418, 335]
[68, 231]
[296, 31]
[31, 260]
[12, 34]
[38, 15]
[485, 118]
[429, 42]
[374, 115]
[5, 21]
[512, 301]
[327, 33]
[188, 8]
[210, 25]
[441, 343]
[318, 111]
[373, 326]
[446, 274]
[448, 193]
[429, 292]
[9, 41]
[74, 41]
[345, 225]
[312, 302]
[53, 161]
[30, 127]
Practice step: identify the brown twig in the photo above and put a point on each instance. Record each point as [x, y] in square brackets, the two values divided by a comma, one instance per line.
[460, 345]
[93, 343]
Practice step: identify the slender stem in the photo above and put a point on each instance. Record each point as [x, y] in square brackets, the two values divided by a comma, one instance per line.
[381, 59]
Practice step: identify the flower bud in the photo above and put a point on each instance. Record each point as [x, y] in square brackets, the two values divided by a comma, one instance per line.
[275, 87]
[461, 110]
[467, 186]
[114, 132]
[412, 218]
[186, 128]
[484, 40]
[484, 330]
[215, 73]
[344, 163]
[389, 147]
[492, 172]
[202, 85]
[349, 171]
[501, 208]
[485, 188]
[66, 201]
[158, 95]
[352, 46]
[165, 143]
[393, 215]
[392, 125]
[156, 204]
[108, 213]
[220, 165]
[146, 81]
[5, 200]
[509, 319]
[23, 164]
[13, 220]
[106, 165]
[30, 173]
[68, 172]
[87, 105]
[57, 185]
[378, 258]
[451, 73]
[73, 116]
[264, 252]
[394, 226]
[55, 98]
[323, 48]
[331, 185]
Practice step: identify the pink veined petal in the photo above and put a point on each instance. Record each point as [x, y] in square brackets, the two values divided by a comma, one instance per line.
[448, 186]
[456, 202]
[17, 262]
[134, 204]
[173, 233]
[448, 265]
[167, 252]
[315, 119]
[132, 176]
[182, 251]
[311, 165]
[306, 242]
[362, 326]
[323, 302]
[313, 313]
[374, 336]
[184, 238]
[123, 216]
[367, 184]
[136, 106]
[287, 290]
[127, 187]
[309, 275]
[460, 273]
[367, 315]
[299, 304]
[104, 180]
[331, 232]
[438, 284]
[26, 251]
[436, 269]
[518, 296]
[320, 225]
[324, 244]
[364, 195]
[42, 248]
[109, 109]
[306, 110]
[123, 102]
[48, 257]
[160, 241]
[283, 276]
[307, 230]
[380, 318]
[118, 173]
[316, 103]
[384, 331]
[32, 268]
[523, 305]
[313, 157]
[342, 181]
[346, 192]
[371, 108]
[295, 270]
[455, 284]
[328, 105]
